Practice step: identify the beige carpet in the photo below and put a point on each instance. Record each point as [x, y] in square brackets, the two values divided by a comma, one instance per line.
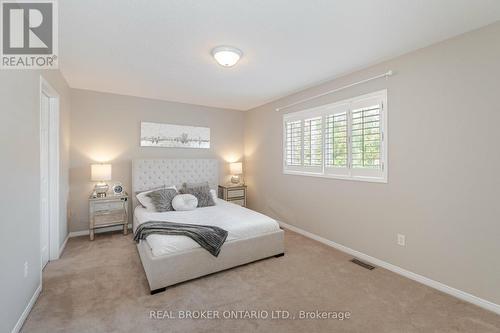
[100, 286]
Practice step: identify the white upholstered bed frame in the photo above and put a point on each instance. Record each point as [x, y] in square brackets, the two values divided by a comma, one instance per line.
[166, 270]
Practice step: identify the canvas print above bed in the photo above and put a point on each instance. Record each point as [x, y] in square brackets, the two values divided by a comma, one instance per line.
[174, 136]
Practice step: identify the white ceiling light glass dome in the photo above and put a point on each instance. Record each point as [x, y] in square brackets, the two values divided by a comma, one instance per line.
[226, 56]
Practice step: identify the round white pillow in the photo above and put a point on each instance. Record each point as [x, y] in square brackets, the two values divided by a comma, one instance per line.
[184, 202]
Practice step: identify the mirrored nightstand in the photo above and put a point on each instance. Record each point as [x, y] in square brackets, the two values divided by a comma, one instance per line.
[236, 194]
[107, 212]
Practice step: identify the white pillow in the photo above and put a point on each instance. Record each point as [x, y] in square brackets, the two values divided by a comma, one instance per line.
[214, 195]
[146, 202]
[184, 202]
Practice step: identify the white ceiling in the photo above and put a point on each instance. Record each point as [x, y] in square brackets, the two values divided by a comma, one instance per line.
[161, 49]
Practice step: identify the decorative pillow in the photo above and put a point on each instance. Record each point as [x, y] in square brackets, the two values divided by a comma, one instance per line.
[162, 199]
[201, 191]
[214, 195]
[184, 202]
[145, 201]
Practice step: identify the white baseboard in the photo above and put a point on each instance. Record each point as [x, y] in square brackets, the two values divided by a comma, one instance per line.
[27, 310]
[97, 231]
[61, 249]
[401, 271]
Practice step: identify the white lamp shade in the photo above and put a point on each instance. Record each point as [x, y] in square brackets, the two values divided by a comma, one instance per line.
[100, 172]
[236, 168]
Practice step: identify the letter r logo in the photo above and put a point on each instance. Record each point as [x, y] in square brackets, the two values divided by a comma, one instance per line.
[27, 27]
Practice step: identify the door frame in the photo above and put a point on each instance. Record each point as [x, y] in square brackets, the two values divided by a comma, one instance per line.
[54, 166]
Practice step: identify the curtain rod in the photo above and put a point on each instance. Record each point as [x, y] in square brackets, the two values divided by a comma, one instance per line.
[386, 75]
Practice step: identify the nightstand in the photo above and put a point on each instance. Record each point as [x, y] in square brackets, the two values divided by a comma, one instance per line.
[108, 211]
[236, 194]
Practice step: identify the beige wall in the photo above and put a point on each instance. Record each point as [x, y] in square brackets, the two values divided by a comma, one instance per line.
[106, 127]
[443, 188]
[20, 179]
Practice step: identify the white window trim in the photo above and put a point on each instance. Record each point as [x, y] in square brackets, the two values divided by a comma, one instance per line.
[324, 110]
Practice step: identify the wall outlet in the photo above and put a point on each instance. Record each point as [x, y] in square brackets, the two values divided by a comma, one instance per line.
[401, 240]
[25, 269]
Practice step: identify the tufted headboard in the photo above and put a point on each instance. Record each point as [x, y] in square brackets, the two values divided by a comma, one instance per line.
[151, 173]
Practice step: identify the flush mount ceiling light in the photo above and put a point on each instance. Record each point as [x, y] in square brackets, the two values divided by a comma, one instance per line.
[226, 56]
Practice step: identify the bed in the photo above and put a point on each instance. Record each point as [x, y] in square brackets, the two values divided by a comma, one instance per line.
[169, 259]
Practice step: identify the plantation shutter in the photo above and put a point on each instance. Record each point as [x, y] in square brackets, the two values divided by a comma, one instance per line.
[367, 137]
[336, 140]
[342, 140]
[313, 142]
[293, 143]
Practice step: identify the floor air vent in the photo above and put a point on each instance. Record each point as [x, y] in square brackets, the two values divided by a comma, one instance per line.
[362, 264]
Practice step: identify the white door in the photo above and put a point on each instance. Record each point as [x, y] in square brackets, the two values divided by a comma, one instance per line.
[44, 178]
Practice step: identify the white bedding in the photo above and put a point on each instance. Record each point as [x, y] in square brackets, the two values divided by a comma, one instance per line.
[238, 221]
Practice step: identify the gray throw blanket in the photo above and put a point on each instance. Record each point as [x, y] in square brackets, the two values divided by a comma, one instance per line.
[209, 237]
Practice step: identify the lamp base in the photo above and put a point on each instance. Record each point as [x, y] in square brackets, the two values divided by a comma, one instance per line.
[101, 189]
[235, 179]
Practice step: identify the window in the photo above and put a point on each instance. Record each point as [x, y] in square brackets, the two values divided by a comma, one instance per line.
[342, 140]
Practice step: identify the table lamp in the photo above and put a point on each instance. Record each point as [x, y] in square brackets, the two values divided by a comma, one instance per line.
[100, 173]
[236, 169]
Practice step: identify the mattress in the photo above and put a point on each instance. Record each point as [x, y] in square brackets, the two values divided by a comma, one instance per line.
[239, 222]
